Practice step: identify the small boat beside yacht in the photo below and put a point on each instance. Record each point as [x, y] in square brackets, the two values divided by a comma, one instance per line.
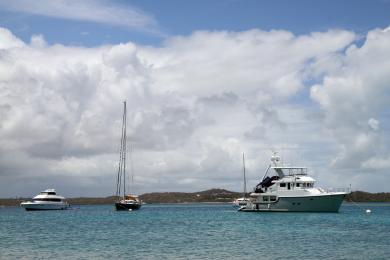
[291, 189]
[240, 202]
[46, 200]
[125, 201]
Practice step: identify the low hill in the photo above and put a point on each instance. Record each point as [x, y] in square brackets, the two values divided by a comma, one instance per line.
[12, 202]
[361, 196]
[213, 195]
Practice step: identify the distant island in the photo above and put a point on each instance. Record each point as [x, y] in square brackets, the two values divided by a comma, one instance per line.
[211, 196]
[361, 196]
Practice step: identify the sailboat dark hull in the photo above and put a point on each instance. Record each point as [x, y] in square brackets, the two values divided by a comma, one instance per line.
[127, 206]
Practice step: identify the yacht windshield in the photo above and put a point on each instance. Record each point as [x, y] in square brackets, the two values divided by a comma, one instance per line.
[294, 171]
[48, 193]
[48, 199]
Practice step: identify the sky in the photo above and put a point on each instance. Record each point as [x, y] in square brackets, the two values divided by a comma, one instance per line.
[204, 81]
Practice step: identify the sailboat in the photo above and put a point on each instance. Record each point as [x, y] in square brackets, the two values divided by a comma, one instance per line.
[125, 201]
[240, 202]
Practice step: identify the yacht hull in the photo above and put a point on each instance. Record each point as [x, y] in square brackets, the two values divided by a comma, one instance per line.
[30, 206]
[320, 203]
[127, 206]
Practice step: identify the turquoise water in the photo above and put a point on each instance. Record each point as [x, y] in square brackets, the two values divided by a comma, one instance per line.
[194, 231]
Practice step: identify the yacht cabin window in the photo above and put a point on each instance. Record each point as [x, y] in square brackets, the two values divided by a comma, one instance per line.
[48, 199]
[48, 193]
[282, 184]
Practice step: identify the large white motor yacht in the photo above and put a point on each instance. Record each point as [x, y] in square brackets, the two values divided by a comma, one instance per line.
[291, 189]
[46, 200]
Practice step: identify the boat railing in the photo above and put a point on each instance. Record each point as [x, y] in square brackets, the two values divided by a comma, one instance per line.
[331, 190]
[295, 171]
[296, 174]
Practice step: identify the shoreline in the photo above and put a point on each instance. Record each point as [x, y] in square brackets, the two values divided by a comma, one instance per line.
[213, 196]
[348, 203]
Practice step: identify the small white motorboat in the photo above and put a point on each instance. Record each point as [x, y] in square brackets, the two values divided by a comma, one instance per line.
[241, 202]
[46, 200]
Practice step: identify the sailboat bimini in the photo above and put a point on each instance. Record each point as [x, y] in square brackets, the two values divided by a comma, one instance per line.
[124, 202]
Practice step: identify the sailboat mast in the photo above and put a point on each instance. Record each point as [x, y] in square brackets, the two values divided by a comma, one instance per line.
[121, 178]
[124, 148]
[243, 163]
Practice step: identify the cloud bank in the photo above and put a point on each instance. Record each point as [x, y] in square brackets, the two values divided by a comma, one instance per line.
[98, 11]
[194, 105]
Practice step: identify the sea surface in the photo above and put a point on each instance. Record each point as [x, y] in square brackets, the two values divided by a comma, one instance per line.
[194, 231]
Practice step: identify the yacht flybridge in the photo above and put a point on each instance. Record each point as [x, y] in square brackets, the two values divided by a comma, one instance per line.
[291, 189]
[46, 200]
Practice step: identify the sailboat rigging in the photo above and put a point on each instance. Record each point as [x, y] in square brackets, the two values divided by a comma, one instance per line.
[243, 164]
[124, 202]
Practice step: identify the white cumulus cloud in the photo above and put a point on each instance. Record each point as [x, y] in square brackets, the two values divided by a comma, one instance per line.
[354, 98]
[194, 105]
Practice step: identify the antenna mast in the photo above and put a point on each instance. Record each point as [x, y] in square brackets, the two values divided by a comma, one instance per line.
[243, 163]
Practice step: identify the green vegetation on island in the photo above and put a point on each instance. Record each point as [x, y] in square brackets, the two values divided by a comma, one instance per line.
[361, 196]
[213, 195]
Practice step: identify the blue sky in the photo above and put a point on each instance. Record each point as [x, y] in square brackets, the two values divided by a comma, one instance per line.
[205, 81]
[175, 17]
